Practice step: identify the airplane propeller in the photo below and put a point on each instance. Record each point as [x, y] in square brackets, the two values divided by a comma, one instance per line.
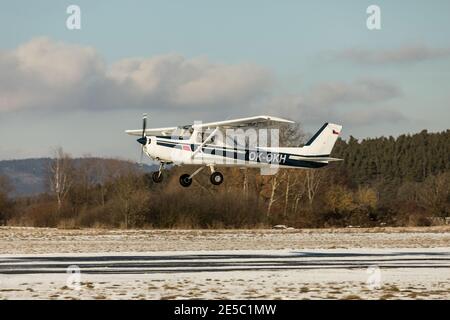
[143, 139]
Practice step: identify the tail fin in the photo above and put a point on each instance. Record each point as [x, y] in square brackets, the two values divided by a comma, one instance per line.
[323, 141]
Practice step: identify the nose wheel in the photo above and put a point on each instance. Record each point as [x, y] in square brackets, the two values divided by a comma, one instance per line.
[157, 176]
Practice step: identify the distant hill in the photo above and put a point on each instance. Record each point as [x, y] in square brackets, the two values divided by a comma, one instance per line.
[28, 176]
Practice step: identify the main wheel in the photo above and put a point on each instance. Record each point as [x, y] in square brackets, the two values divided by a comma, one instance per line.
[185, 181]
[157, 176]
[216, 178]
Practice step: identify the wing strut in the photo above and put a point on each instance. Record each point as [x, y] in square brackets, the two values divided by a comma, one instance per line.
[204, 142]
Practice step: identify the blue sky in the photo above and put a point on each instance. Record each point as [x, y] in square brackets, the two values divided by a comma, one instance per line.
[312, 61]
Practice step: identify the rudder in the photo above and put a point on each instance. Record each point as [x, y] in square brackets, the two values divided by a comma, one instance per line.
[322, 142]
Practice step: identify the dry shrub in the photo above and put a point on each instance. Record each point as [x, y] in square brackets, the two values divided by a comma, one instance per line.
[418, 220]
[41, 214]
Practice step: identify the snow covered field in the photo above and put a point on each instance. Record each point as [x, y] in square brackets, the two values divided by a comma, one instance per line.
[232, 264]
[45, 240]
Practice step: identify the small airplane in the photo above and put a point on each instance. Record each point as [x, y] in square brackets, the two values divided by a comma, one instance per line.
[203, 144]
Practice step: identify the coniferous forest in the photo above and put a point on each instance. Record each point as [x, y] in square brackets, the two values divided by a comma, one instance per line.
[403, 181]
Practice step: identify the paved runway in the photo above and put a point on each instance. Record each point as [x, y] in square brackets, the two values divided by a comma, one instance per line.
[180, 262]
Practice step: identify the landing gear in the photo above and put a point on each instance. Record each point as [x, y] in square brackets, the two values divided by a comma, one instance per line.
[216, 178]
[157, 176]
[185, 180]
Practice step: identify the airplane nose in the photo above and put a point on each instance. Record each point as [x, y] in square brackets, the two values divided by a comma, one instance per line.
[142, 140]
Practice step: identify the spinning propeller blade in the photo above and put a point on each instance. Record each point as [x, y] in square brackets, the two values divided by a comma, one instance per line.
[143, 139]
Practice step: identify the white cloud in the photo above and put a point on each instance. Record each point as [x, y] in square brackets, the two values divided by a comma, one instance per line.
[47, 75]
[375, 116]
[332, 101]
[56, 63]
[401, 55]
[44, 74]
[360, 91]
[194, 82]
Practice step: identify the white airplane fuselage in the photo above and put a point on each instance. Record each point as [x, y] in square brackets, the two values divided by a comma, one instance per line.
[187, 152]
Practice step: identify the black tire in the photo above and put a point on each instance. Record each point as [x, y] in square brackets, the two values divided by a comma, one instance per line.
[157, 177]
[216, 178]
[185, 181]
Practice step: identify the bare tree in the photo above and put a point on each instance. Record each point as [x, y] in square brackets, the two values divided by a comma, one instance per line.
[291, 135]
[295, 185]
[313, 181]
[435, 194]
[245, 183]
[5, 202]
[131, 194]
[274, 186]
[126, 189]
[61, 175]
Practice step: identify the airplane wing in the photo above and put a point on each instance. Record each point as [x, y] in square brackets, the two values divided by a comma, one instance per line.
[242, 122]
[153, 131]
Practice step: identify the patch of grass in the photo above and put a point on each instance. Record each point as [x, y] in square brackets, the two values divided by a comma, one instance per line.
[169, 287]
[173, 297]
[352, 297]
[393, 288]
[335, 292]
[387, 296]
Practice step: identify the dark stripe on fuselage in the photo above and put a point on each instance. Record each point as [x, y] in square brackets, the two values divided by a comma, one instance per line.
[174, 137]
[194, 146]
[259, 156]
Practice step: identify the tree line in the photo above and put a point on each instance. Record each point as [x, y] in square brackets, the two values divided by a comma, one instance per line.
[382, 181]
